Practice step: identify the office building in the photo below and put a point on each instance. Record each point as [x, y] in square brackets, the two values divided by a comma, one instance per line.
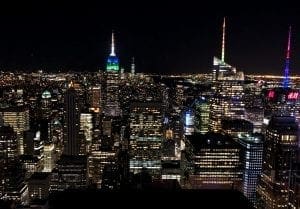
[146, 132]
[280, 152]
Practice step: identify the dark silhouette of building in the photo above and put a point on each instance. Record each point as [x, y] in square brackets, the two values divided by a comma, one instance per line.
[71, 127]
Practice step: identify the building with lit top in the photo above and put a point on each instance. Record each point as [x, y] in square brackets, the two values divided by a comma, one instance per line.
[228, 91]
[96, 100]
[112, 103]
[252, 158]
[280, 152]
[201, 115]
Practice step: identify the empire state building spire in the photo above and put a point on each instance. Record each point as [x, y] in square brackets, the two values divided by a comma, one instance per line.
[112, 63]
[112, 53]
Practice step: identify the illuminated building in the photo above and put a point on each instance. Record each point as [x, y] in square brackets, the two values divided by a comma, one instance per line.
[112, 106]
[295, 188]
[227, 100]
[46, 104]
[96, 162]
[282, 102]
[38, 146]
[38, 186]
[18, 118]
[8, 143]
[71, 126]
[70, 173]
[49, 157]
[216, 161]
[201, 115]
[252, 156]
[171, 170]
[31, 164]
[219, 64]
[86, 125]
[256, 117]
[96, 99]
[281, 146]
[189, 122]
[14, 186]
[179, 95]
[146, 123]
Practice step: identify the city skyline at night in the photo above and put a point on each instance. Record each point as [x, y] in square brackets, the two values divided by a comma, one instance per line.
[121, 102]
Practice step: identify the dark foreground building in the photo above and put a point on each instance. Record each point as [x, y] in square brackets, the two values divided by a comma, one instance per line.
[151, 198]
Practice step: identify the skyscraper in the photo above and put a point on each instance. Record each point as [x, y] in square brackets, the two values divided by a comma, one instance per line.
[71, 126]
[112, 106]
[280, 149]
[252, 156]
[228, 91]
[216, 161]
[18, 118]
[146, 121]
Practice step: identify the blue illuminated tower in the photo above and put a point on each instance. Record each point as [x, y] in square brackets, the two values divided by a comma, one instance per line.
[286, 79]
[112, 64]
[112, 106]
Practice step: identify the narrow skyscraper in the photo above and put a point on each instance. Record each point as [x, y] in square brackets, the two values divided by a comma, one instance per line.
[71, 146]
[112, 106]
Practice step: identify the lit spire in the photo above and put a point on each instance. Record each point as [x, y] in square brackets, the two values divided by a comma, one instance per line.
[132, 66]
[223, 40]
[289, 44]
[112, 53]
[286, 80]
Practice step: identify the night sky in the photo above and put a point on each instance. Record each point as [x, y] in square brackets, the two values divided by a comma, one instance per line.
[163, 37]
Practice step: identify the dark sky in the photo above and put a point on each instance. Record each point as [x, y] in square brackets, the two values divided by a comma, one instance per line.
[163, 36]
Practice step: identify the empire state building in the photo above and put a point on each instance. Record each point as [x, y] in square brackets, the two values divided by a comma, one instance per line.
[112, 105]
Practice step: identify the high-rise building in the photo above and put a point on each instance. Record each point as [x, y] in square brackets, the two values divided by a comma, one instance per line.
[86, 125]
[228, 87]
[216, 161]
[189, 122]
[96, 100]
[8, 143]
[70, 173]
[13, 175]
[280, 150]
[112, 105]
[146, 132]
[252, 156]
[18, 118]
[46, 104]
[49, 157]
[201, 115]
[71, 125]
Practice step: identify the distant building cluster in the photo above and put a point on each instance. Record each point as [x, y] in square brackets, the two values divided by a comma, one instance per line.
[115, 130]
